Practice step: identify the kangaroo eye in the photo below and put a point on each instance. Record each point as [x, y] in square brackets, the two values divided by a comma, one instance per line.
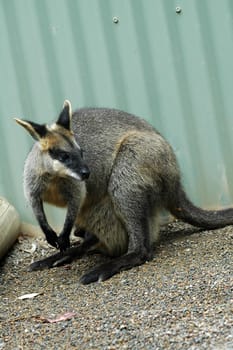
[62, 156]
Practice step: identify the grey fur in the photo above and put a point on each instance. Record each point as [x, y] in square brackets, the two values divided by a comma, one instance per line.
[133, 175]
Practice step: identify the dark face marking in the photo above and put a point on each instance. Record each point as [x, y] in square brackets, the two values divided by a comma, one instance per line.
[63, 156]
[72, 160]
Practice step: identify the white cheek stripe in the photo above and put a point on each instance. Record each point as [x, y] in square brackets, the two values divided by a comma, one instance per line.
[74, 175]
[59, 168]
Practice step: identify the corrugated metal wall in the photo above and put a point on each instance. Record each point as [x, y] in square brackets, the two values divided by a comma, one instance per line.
[174, 69]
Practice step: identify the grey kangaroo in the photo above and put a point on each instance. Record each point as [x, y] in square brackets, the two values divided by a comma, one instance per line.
[114, 172]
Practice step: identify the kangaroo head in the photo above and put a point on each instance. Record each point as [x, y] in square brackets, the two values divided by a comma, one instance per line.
[59, 151]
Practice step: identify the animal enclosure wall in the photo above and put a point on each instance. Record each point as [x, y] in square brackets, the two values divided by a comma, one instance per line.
[170, 62]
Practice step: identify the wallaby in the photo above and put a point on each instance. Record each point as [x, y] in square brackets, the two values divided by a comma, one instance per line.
[114, 172]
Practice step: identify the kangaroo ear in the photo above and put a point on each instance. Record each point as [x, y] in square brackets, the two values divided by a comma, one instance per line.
[37, 131]
[65, 116]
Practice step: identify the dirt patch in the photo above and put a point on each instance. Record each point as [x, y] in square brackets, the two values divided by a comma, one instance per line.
[182, 299]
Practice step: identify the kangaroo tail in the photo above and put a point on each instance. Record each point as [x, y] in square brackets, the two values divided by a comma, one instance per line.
[185, 210]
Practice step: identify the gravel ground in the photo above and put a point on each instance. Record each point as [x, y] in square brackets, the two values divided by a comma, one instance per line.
[182, 299]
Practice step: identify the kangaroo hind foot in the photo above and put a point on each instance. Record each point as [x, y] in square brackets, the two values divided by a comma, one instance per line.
[107, 270]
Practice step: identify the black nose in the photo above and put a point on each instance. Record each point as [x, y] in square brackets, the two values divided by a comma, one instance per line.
[84, 173]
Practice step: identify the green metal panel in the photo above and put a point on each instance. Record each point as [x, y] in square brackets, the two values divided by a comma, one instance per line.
[174, 69]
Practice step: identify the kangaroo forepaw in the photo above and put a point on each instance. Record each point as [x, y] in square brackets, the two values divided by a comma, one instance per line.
[63, 243]
[52, 239]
